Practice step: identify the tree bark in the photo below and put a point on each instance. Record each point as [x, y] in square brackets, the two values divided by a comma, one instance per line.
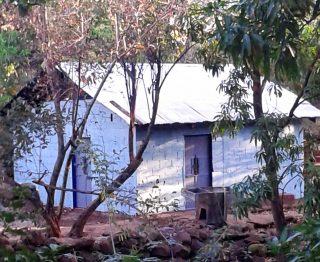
[51, 220]
[271, 158]
[257, 95]
[276, 202]
[277, 211]
[78, 226]
[64, 182]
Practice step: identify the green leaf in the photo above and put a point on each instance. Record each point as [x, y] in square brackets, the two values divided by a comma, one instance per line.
[247, 44]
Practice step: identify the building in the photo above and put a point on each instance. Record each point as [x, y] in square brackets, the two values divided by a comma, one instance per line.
[181, 152]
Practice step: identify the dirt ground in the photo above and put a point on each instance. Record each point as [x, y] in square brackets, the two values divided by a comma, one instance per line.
[237, 236]
[99, 224]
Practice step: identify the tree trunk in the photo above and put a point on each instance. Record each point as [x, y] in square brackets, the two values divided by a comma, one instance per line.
[257, 95]
[277, 211]
[53, 222]
[64, 182]
[49, 216]
[78, 226]
[270, 159]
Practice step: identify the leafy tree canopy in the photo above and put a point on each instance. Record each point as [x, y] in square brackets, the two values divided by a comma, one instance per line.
[267, 37]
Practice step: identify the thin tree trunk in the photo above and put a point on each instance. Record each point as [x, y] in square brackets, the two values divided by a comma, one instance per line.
[277, 210]
[64, 182]
[78, 226]
[271, 169]
[276, 201]
[49, 214]
[257, 95]
[53, 222]
[50, 219]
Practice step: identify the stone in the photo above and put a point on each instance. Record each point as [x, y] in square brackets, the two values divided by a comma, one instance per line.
[195, 245]
[183, 238]
[154, 235]
[291, 219]
[161, 250]
[249, 227]
[258, 249]
[234, 236]
[180, 259]
[103, 245]
[4, 241]
[181, 251]
[67, 258]
[35, 238]
[167, 231]
[203, 235]
[240, 228]
[194, 233]
[261, 220]
[84, 243]
[258, 259]
[254, 239]
[130, 243]
[6, 194]
[87, 256]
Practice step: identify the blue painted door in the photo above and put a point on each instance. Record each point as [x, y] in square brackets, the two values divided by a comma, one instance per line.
[81, 172]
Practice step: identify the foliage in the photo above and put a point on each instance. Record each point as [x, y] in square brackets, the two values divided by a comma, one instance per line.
[215, 249]
[13, 211]
[261, 35]
[311, 201]
[237, 110]
[21, 125]
[264, 40]
[249, 193]
[302, 243]
[13, 55]
[42, 254]
[24, 6]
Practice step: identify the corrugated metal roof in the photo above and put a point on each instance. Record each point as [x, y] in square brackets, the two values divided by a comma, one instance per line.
[189, 95]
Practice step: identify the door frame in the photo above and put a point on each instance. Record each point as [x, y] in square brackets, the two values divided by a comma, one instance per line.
[209, 136]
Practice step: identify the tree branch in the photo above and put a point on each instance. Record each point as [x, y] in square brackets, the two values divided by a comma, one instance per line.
[41, 183]
[305, 84]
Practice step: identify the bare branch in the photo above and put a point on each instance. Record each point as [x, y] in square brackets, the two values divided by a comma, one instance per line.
[41, 183]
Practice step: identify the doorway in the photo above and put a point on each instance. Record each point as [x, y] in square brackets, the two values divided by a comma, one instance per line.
[198, 163]
[81, 174]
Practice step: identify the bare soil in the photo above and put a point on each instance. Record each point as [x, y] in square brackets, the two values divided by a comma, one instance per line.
[99, 224]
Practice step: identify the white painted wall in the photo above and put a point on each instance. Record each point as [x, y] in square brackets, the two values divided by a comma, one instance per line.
[109, 136]
[161, 174]
[163, 160]
[232, 160]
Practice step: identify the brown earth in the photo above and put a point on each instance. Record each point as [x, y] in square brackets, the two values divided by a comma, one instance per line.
[190, 234]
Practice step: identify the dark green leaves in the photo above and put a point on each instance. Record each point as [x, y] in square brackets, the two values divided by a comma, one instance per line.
[260, 35]
[249, 193]
[236, 111]
[25, 5]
